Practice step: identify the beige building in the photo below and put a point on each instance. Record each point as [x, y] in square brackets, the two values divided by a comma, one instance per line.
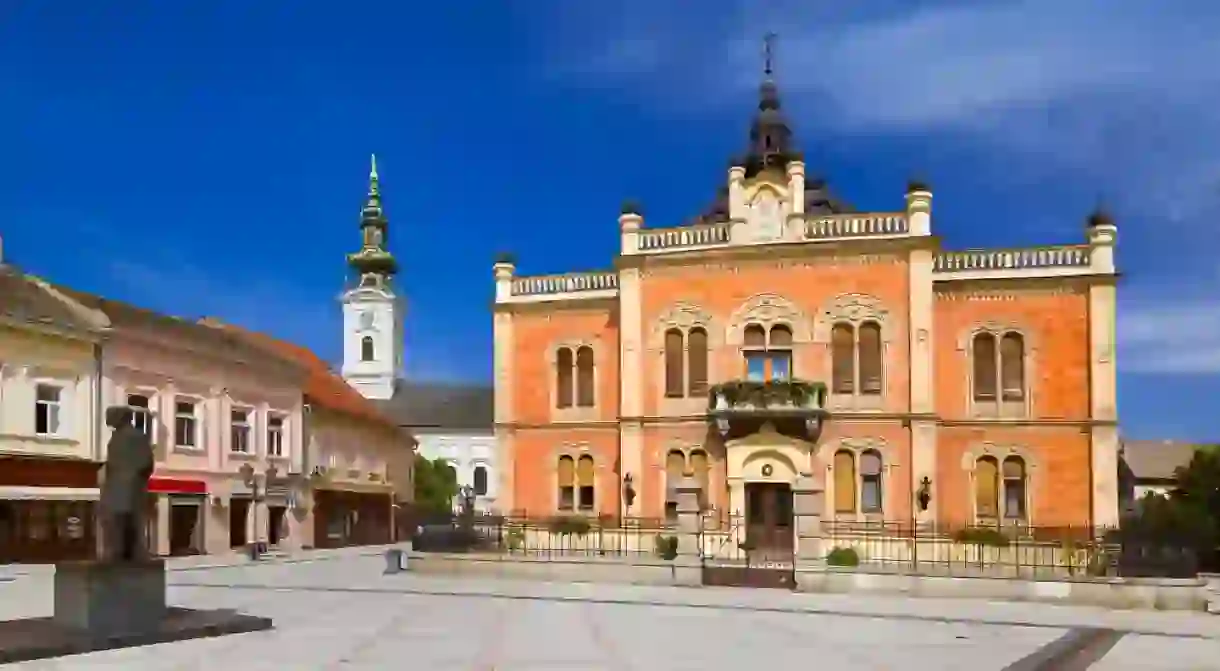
[50, 444]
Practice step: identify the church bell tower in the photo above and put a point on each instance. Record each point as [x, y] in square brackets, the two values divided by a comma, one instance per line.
[372, 311]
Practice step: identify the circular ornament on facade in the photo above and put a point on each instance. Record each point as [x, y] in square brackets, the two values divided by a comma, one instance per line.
[767, 470]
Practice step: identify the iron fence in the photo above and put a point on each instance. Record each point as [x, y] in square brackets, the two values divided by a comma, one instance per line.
[549, 536]
[1014, 550]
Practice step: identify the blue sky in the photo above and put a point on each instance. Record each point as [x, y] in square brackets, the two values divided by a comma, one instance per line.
[210, 158]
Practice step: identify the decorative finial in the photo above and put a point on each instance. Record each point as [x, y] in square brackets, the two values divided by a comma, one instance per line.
[769, 54]
[374, 190]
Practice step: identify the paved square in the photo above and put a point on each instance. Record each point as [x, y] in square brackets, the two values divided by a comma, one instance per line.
[343, 614]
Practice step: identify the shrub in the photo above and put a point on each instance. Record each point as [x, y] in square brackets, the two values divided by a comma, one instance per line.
[666, 547]
[514, 539]
[982, 536]
[843, 557]
[570, 525]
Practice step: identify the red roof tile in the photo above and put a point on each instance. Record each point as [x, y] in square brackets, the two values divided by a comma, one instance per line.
[323, 387]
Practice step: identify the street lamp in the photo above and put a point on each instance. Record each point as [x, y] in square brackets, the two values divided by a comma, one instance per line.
[256, 483]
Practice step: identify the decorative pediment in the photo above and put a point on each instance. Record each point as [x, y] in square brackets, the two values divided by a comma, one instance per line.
[767, 310]
[852, 308]
[684, 316]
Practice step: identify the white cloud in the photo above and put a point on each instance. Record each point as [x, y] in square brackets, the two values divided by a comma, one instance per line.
[1120, 98]
[1174, 338]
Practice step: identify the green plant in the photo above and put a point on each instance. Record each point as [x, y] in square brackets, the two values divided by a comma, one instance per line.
[840, 556]
[771, 392]
[666, 547]
[982, 536]
[514, 539]
[570, 525]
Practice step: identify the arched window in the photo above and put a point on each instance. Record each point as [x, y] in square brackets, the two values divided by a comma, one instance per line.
[566, 476]
[845, 482]
[368, 352]
[1014, 488]
[869, 356]
[584, 377]
[696, 369]
[768, 354]
[585, 482]
[843, 367]
[999, 368]
[870, 481]
[1012, 367]
[701, 467]
[675, 466]
[480, 481]
[986, 487]
[674, 375]
[984, 353]
[563, 378]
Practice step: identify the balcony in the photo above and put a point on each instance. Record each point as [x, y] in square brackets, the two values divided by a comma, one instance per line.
[742, 407]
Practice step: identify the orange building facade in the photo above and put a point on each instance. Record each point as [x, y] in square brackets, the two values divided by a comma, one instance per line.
[784, 337]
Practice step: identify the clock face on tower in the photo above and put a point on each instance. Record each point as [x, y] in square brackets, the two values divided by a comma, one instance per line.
[367, 320]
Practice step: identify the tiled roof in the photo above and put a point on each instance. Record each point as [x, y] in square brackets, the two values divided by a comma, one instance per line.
[437, 407]
[1156, 459]
[190, 333]
[26, 300]
[323, 387]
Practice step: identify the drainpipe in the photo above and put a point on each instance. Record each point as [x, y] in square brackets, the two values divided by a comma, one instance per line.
[99, 412]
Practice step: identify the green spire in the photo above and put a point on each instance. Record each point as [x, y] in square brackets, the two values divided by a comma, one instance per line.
[373, 257]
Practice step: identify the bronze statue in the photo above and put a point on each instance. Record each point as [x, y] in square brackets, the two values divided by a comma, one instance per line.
[124, 495]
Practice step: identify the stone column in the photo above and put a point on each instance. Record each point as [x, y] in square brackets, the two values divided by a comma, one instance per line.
[689, 517]
[807, 505]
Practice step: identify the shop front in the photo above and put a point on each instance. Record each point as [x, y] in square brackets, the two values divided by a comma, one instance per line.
[344, 518]
[47, 509]
[178, 508]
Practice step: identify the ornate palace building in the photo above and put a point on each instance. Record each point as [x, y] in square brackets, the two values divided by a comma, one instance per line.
[784, 340]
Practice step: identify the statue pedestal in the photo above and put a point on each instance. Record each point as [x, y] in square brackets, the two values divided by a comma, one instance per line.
[110, 597]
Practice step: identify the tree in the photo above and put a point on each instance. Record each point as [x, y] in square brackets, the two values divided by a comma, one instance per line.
[435, 485]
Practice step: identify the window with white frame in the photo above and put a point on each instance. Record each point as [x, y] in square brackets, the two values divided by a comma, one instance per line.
[141, 416]
[186, 423]
[239, 431]
[275, 436]
[48, 410]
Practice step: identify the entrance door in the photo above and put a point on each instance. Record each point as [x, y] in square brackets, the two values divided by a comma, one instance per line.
[769, 532]
[275, 524]
[183, 524]
[239, 510]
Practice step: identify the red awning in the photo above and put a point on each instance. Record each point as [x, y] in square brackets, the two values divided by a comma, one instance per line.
[176, 486]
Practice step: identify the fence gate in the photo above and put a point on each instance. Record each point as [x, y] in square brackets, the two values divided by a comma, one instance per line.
[735, 551]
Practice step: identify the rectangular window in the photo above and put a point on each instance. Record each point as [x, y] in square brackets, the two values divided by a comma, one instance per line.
[48, 410]
[756, 366]
[566, 497]
[781, 365]
[586, 497]
[141, 416]
[275, 436]
[239, 431]
[186, 426]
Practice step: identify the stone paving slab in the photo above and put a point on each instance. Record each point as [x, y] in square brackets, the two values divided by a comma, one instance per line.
[365, 573]
[345, 614]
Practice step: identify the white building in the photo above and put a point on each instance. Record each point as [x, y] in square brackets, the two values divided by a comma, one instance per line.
[453, 422]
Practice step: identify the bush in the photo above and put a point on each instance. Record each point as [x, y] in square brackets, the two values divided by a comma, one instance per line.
[666, 547]
[982, 536]
[570, 525]
[843, 557]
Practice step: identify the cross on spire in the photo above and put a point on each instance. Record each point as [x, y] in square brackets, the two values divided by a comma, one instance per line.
[769, 53]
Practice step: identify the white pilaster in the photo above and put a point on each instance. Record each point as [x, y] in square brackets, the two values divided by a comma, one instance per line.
[919, 211]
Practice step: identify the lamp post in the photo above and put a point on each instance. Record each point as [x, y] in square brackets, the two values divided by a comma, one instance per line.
[251, 479]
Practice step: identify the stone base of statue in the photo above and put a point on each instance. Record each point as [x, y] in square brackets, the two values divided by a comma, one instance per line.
[102, 605]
